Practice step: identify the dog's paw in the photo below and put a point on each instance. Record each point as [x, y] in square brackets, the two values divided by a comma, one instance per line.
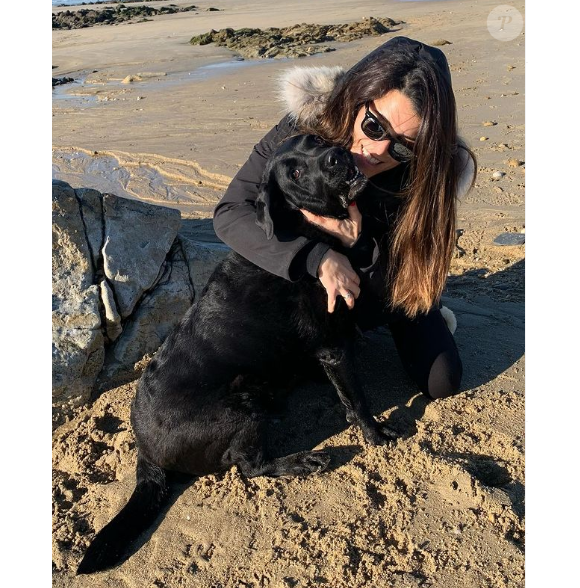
[388, 433]
[308, 462]
[380, 435]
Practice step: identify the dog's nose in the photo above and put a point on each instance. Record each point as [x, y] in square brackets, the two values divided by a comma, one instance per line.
[335, 157]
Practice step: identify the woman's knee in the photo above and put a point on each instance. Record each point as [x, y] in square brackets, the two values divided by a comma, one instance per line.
[445, 376]
[429, 353]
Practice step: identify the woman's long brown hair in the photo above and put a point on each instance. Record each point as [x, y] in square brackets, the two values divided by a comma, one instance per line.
[423, 239]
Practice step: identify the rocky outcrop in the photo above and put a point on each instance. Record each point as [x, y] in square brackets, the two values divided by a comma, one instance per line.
[136, 241]
[295, 41]
[62, 81]
[123, 276]
[78, 349]
[88, 17]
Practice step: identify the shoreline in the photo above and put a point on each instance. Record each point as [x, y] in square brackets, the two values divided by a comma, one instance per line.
[192, 77]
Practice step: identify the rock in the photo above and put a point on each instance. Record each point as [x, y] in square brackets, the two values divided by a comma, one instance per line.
[138, 237]
[77, 359]
[82, 18]
[483, 138]
[157, 314]
[497, 175]
[294, 41]
[441, 42]
[510, 239]
[131, 78]
[202, 259]
[187, 269]
[113, 325]
[78, 344]
[122, 279]
[70, 246]
[514, 162]
[60, 81]
[489, 123]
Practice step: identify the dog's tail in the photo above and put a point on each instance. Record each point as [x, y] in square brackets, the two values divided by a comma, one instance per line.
[110, 544]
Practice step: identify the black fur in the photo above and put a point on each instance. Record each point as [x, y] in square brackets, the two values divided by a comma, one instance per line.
[201, 403]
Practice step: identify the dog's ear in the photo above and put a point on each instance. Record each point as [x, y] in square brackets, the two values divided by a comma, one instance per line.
[263, 208]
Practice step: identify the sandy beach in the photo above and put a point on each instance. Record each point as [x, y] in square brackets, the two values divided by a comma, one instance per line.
[441, 507]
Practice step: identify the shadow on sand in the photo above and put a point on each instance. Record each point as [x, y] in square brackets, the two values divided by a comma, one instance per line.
[490, 338]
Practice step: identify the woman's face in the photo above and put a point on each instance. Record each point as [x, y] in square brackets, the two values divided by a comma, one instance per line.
[372, 157]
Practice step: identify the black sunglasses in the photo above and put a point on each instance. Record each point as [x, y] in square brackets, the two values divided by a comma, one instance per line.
[374, 130]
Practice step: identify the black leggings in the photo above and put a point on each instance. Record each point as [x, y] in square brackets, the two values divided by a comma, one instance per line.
[429, 354]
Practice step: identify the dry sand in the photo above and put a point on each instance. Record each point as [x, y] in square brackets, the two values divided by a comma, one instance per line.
[444, 506]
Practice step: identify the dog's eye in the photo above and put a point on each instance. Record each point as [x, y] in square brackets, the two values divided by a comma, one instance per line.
[295, 174]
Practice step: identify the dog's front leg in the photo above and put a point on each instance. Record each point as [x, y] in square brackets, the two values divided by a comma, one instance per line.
[339, 367]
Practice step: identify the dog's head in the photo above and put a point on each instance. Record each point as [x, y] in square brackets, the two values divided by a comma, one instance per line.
[306, 172]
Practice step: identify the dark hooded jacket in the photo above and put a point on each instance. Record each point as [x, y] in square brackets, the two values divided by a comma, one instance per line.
[294, 257]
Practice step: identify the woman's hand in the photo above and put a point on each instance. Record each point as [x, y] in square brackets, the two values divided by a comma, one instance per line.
[347, 230]
[338, 279]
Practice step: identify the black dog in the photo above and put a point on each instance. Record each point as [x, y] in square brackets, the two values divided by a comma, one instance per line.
[200, 405]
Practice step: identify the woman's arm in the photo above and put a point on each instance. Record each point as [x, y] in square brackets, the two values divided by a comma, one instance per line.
[287, 256]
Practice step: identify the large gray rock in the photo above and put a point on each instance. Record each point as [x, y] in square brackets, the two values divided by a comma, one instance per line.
[77, 359]
[138, 237]
[158, 312]
[78, 344]
[202, 257]
[122, 279]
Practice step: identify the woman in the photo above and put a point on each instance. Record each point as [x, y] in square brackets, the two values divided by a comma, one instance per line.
[395, 111]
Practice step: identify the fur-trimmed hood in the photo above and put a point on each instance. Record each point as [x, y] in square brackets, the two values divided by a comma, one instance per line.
[304, 90]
